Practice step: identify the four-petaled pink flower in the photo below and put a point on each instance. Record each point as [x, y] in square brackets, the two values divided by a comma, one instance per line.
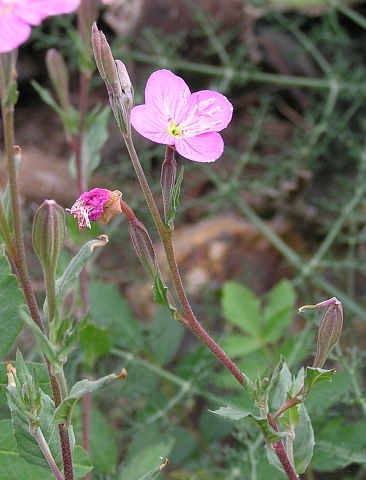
[97, 204]
[172, 115]
[17, 17]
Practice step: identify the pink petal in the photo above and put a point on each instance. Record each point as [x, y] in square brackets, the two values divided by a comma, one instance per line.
[207, 147]
[151, 123]
[212, 109]
[166, 92]
[34, 11]
[13, 32]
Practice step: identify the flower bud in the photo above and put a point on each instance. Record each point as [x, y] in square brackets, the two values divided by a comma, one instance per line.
[86, 14]
[329, 329]
[49, 229]
[144, 247]
[59, 75]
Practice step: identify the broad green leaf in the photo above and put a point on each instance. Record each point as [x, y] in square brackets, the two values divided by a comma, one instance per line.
[290, 419]
[304, 441]
[145, 451]
[230, 413]
[97, 134]
[279, 311]
[314, 376]
[104, 444]
[110, 310]
[11, 298]
[95, 343]
[165, 336]
[73, 270]
[237, 345]
[64, 411]
[241, 308]
[81, 462]
[12, 466]
[26, 443]
[155, 471]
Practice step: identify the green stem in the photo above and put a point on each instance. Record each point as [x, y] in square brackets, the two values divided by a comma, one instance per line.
[166, 237]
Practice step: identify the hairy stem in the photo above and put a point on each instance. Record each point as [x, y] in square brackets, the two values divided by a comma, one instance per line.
[38, 435]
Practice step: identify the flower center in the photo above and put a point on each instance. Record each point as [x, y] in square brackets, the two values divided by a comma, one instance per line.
[175, 130]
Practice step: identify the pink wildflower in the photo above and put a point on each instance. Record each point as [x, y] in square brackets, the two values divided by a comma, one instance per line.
[97, 204]
[172, 115]
[17, 17]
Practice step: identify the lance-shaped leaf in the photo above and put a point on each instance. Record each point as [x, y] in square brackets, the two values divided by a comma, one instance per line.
[11, 298]
[155, 471]
[65, 409]
[314, 376]
[161, 294]
[304, 441]
[269, 434]
[73, 270]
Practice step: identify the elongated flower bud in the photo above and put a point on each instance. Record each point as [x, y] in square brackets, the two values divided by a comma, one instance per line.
[58, 72]
[144, 247]
[49, 229]
[167, 181]
[329, 329]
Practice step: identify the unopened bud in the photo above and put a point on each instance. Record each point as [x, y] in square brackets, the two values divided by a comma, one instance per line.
[49, 229]
[59, 75]
[144, 247]
[329, 329]
[86, 14]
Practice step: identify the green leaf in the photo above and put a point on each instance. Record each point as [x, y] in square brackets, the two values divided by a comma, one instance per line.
[161, 294]
[175, 199]
[314, 376]
[267, 431]
[154, 472]
[237, 345]
[110, 310]
[147, 447]
[304, 441]
[73, 270]
[26, 443]
[290, 419]
[11, 298]
[165, 336]
[95, 343]
[279, 311]
[12, 466]
[241, 308]
[96, 136]
[64, 411]
[81, 462]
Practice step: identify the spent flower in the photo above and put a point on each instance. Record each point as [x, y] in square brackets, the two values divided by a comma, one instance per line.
[96, 204]
[18, 16]
[174, 116]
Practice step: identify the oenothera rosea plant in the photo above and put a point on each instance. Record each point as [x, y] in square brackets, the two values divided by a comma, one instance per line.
[189, 124]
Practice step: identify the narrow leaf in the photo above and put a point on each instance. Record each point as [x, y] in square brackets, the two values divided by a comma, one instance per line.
[175, 198]
[304, 441]
[155, 471]
[64, 410]
[161, 294]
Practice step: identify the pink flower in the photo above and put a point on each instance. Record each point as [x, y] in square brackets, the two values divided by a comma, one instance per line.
[17, 16]
[97, 204]
[172, 115]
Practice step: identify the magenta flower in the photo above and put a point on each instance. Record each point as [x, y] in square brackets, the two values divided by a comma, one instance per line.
[97, 204]
[172, 115]
[17, 17]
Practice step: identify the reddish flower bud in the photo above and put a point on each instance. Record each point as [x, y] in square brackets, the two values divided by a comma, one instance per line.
[144, 247]
[329, 329]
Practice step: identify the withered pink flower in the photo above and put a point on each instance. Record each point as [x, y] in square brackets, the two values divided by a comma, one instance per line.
[97, 204]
